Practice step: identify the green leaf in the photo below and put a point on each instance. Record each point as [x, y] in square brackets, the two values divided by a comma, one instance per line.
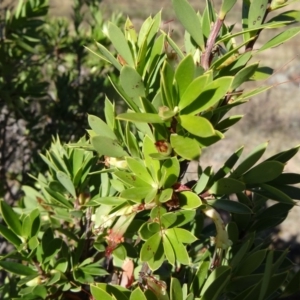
[200, 277]
[165, 195]
[226, 7]
[137, 294]
[184, 74]
[198, 126]
[239, 255]
[11, 218]
[119, 42]
[139, 169]
[190, 21]
[262, 73]
[249, 161]
[251, 263]
[256, 13]
[106, 146]
[66, 182]
[100, 294]
[286, 155]
[286, 178]
[150, 247]
[264, 172]
[192, 91]
[152, 165]
[176, 290]
[276, 194]
[141, 117]
[130, 102]
[10, 236]
[100, 127]
[267, 276]
[108, 56]
[168, 249]
[180, 250]
[280, 38]
[184, 236]
[137, 194]
[186, 147]
[17, 268]
[203, 180]
[228, 122]
[230, 206]
[170, 172]
[211, 95]
[229, 164]
[226, 186]
[215, 283]
[132, 82]
[62, 200]
[243, 75]
[189, 200]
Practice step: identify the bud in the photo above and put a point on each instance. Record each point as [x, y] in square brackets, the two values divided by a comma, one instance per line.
[163, 147]
[275, 4]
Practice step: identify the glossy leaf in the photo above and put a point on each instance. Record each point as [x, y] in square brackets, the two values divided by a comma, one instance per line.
[203, 180]
[228, 122]
[276, 194]
[229, 164]
[230, 206]
[249, 161]
[176, 290]
[264, 172]
[170, 172]
[137, 294]
[17, 268]
[188, 200]
[251, 263]
[198, 126]
[215, 283]
[186, 147]
[11, 218]
[169, 251]
[211, 95]
[10, 236]
[192, 91]
[243, 75]
[100, 294]
[184, 74]
[226, 186]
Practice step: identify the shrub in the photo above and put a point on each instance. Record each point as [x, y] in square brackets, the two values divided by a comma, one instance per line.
[115, 216]
[48, 82]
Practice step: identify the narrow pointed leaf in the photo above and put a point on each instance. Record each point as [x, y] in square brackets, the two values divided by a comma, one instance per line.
[226, 186]
[190, 21]
[141, 117]
[119, 42]
[264, 172]
[230, 206]
[280, 38]
[11, 218]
